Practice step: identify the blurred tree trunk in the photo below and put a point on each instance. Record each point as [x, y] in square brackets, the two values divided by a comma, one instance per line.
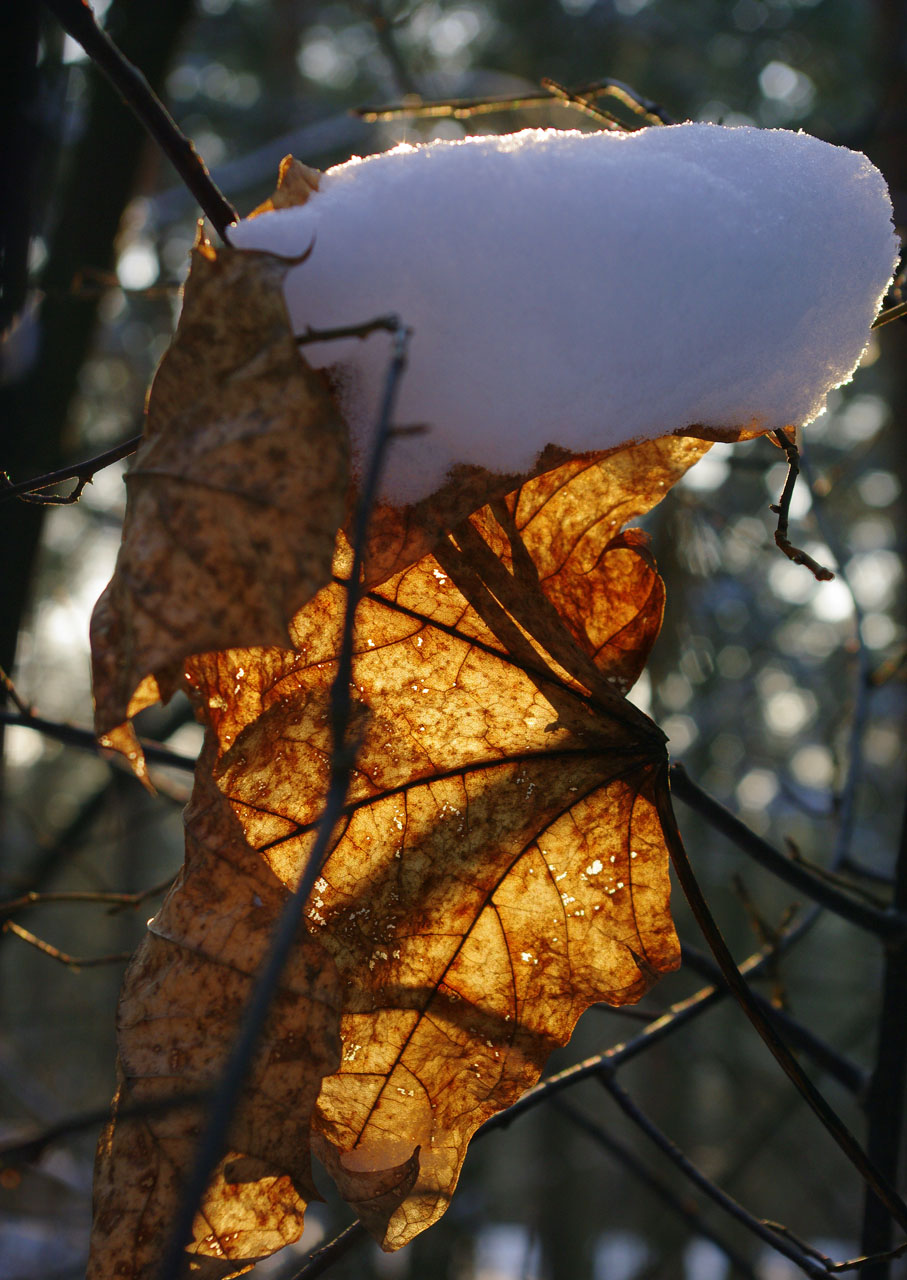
[100, 179]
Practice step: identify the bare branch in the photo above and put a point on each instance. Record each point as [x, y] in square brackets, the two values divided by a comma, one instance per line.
[13, 694]
[76, 17]
[883, 923]
[18, 1151]
[82, 472]
[113, 901]
[758, 1226]
[885, 1103]
[73, 736]
[583, 97]
[63, 957]
[889, 314]
[389, 323]
[830, 1120]
[627, 1158]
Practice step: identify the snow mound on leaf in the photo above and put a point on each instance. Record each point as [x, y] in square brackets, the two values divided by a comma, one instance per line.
[588, 289]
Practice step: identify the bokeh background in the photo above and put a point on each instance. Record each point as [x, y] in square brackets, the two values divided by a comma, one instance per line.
[781, 696]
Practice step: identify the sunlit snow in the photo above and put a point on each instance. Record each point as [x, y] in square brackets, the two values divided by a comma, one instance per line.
[589, 288]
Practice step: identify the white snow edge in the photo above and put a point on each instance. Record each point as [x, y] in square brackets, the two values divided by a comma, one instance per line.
[588, 289]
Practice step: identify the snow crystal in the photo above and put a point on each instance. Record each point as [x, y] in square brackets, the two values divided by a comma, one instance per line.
[588, 289]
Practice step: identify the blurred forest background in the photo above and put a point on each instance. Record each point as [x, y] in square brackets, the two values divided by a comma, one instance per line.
[782, 696]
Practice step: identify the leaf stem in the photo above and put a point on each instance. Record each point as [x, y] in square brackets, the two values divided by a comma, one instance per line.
[781, 508]
[76, 17]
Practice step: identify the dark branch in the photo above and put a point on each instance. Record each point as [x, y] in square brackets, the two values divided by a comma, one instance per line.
[113, 901]
[685, 1209]
[327, 1255]
[389, 323]
[847, 1073]
[885, 1104]
[21, 1151]
[583, 97]
[830, 1120]
[63, 957]
[82, 472]
[758, 1226]
[77, 18]
[72, 736]
[889, 314]
[885, 924]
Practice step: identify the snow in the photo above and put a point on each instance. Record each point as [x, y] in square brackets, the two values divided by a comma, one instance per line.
[588, 289]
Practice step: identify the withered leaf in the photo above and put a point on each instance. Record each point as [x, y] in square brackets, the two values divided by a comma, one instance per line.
[234, 497]
[500, 863]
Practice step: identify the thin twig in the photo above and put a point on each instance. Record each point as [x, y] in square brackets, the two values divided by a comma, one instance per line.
[82, 472]
[844, 879]
[385, 34]
[318, 1262]
[841, 1068]
[13, 694]
[886, 924]
[77, 18]
[650, 113]
[685, 1209]
[114, 901]
[573, 98]
[781, 508]
[73, 736]
[18, 1151]
[830, 1120]
[758, 1226]
[286, 933]
[389, 323]
[63, 957]
[858, 1264]
[889, 314]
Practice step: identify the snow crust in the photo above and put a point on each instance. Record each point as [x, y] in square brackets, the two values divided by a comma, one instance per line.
[588, 289]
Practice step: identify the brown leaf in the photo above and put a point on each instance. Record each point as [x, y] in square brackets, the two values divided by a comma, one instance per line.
[234, 496]
[499, 867]
[296, 183]
[401, 535]
[178, 1015]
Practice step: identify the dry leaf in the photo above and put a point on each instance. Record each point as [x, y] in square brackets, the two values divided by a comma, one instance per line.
[500, 864]
[234, 496]
[296, 183]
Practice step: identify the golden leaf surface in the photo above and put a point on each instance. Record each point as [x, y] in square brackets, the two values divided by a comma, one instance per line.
[234, 496]
[499, 866]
